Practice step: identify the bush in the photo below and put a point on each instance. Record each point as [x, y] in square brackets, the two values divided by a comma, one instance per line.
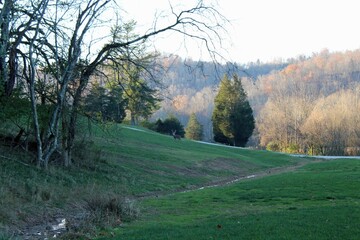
[170, 124]
[149, 125]
[292, 148]
[111, 211]
[273, 146]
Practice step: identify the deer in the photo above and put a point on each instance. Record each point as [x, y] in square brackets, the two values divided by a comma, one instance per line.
[176, 136]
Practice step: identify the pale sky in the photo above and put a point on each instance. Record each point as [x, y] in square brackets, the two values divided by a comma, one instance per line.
[266, 29]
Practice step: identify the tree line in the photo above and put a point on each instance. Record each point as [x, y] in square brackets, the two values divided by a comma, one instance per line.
[311, 106]
[301, 105]
[191, 87]
[52, 75]
[232, 118]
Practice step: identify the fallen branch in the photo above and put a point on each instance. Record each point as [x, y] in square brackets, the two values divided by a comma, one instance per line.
[15, 160]
[5, 157]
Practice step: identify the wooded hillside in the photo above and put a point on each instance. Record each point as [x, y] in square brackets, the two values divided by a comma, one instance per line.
[311, 106]
[191, 87]
[306, 105]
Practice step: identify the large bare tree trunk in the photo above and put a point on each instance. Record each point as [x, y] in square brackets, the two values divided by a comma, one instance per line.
[4, 44]
[69, 130]
[41, 162]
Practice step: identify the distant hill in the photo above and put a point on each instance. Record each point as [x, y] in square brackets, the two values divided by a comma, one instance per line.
[312, 106]
[287, 98]
[192, 85]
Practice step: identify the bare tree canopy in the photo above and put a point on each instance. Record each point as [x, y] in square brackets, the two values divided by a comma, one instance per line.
[60, 45]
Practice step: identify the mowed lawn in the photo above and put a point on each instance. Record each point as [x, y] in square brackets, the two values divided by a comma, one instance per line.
[146, 162]
[318, 201]
[113, 161]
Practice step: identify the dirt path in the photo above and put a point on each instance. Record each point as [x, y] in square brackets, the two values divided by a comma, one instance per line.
[234, 179]
[56, 228]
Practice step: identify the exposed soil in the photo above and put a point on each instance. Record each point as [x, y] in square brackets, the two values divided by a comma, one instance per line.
[49, 224]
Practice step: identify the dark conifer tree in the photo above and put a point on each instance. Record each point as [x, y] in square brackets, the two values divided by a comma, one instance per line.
[170, 125]
[105, 105]
[233, 120]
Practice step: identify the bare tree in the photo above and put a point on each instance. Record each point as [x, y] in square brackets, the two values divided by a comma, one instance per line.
[58, 37]
[332, 126]
[4, 45]
[183, 22]
[29, 73]
[20, 29]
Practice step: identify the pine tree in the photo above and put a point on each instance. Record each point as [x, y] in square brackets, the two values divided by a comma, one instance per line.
[233, 121]
[133, 75]
[104, 104]
[194, 129]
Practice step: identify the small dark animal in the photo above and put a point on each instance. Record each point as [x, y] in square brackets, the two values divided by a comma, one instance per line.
[219, 226]
[176, 136]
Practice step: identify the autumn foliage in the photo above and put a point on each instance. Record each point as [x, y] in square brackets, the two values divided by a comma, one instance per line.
[312, 106]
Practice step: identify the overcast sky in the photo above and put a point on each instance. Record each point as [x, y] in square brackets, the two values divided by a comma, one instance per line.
[268, 29]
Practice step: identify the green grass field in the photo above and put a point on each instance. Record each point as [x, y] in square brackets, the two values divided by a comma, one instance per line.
[319, 201]
[146, 161]
[309, 201]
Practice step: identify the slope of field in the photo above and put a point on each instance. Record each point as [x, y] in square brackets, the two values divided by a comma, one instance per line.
[167, 164]
[114, 162]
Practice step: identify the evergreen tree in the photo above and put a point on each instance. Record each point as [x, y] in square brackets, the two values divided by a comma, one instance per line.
[142, 100]
[194, 129]
[104, 104]
[159, 126]
[116, 105]
[169, 125]
[133, 75]
[233, 120]
[95, 102]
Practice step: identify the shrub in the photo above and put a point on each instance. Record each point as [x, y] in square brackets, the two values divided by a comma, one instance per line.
[149, 125]
[292, 148]
[273, 146]
[168, 125]
[111, 210]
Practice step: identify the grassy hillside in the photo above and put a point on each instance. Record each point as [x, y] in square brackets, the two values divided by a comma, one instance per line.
[319, 201]
[115, 162]
[153, 162]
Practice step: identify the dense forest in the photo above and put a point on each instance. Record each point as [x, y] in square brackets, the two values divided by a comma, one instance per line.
[302, 105]
[312, 106]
